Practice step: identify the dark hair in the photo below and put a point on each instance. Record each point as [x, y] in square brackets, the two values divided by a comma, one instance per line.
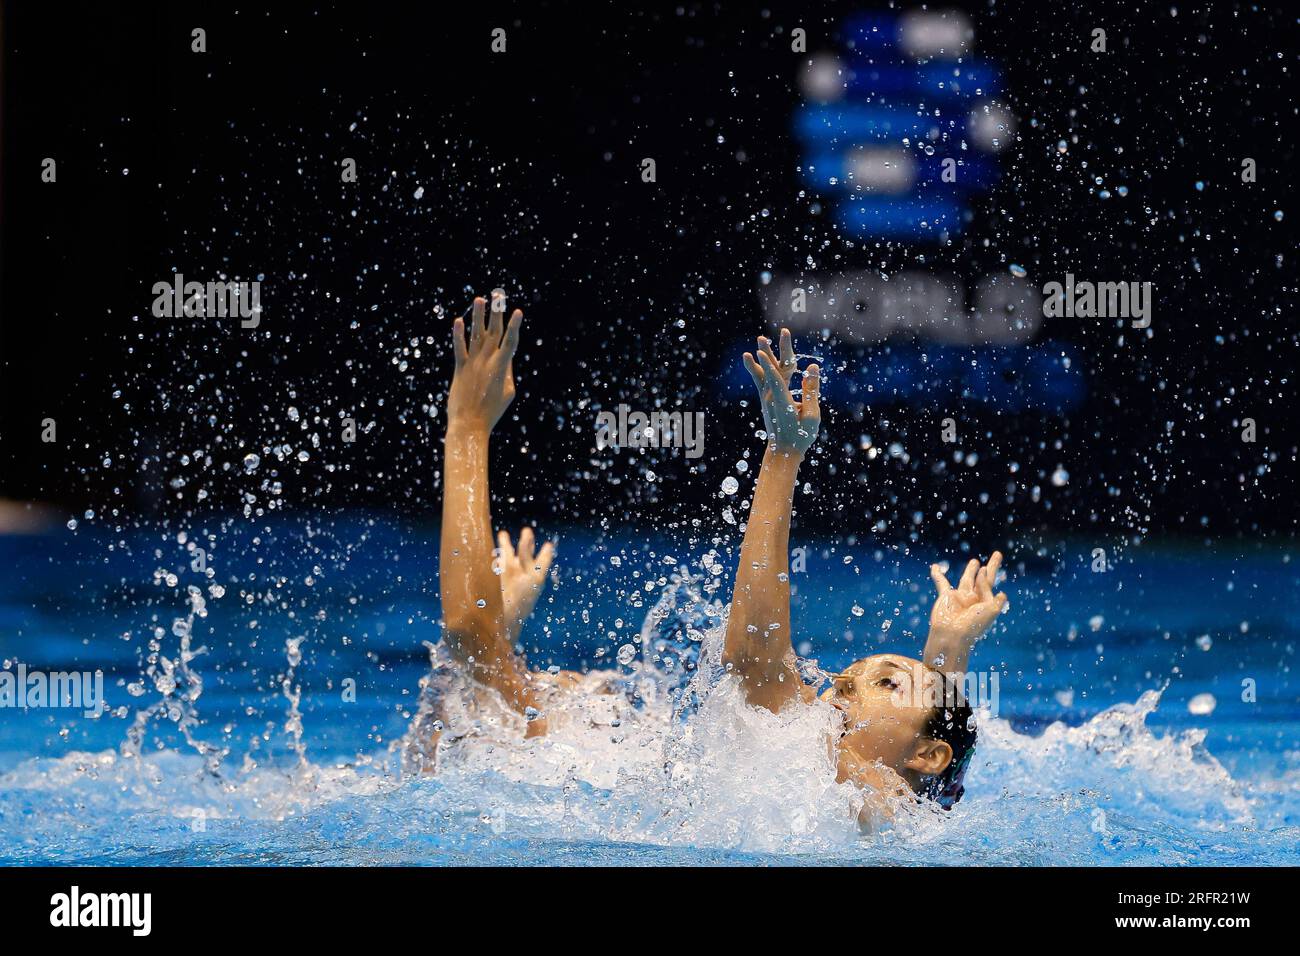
[955, 726]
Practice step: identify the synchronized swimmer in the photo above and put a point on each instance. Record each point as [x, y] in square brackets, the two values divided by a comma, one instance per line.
[894, 743]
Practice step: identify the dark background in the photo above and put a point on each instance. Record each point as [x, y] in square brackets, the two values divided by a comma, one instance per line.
[228, 162]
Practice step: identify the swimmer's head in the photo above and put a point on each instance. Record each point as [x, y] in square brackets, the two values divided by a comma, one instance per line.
[904, 715]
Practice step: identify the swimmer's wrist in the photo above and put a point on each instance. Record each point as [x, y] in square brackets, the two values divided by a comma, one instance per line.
[941, 642]
[461, 427]
[783, 455]
[952, 637]
[949, 649]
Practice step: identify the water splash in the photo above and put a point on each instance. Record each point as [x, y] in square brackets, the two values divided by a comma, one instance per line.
[179, 685]
[293, 695]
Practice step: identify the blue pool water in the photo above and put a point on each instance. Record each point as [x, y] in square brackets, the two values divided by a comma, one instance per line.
[1093, 755]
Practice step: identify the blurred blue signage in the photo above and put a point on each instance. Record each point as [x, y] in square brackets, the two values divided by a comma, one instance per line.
[900, 129]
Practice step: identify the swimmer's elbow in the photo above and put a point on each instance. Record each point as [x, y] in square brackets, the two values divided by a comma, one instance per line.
[470, 634]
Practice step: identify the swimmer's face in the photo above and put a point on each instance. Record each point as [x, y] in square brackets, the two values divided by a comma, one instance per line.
[885, 718]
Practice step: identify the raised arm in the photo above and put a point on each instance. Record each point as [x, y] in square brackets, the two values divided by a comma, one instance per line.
[482, 387]
[962, 615]
[758, 644]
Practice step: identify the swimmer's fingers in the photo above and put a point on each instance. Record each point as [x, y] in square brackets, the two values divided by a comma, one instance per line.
[505, 547]
[811, 394]
[477, 329]
[988, 576]
[988, 611]
[542, 563]
[770, 394]
[505, 356]
[496, 318]
[787, 350]
[511, 341]
[761, 383]
[764, 393]
[526, 545]
[995, 564]
[780, 391]
[940, 579]
[761, 349]
[788, 362]
[785, 364]
[968, 576]
[458, 341]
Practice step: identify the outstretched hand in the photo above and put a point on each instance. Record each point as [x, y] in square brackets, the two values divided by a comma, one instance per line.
[523, 574]
[791, 425]
[963, 614]
[483, 385]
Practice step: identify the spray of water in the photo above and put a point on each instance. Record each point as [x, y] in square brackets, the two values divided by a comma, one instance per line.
[179, 686]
